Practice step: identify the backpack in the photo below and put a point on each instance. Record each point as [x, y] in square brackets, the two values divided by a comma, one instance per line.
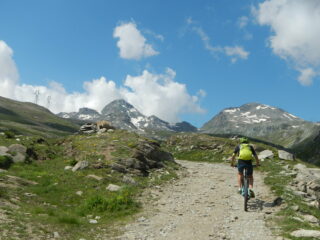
[245, 152]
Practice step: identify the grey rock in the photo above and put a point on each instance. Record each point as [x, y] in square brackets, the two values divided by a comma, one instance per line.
[295, 208]
[119, 168]
[79, 193]
[128, 180]
[56, 235]
[310, 219]
[80, 165]
[285, 155]
[68, 167]
[306, 233]
[113, 188]
[110, 130]
[94, 177]
[17, 148]
[266, 154]
[3, 150]
[19, 158]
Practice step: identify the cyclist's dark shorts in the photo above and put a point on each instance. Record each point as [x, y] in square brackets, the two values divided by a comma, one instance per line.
[245, 163]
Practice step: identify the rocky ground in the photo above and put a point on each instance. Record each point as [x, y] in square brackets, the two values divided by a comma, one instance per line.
[203, 204]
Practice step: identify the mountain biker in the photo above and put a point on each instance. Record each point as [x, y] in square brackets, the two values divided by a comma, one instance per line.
[245, 153]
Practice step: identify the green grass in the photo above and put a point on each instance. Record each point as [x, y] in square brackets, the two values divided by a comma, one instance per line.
[55, 205]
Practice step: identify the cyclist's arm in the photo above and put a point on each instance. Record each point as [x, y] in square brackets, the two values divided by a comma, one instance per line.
[255, 156]
[235, 153]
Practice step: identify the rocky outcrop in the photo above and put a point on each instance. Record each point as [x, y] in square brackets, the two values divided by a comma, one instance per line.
[147, 155]
[307, 184]
[98, 127]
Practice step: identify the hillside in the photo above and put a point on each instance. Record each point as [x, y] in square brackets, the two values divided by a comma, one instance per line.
[31, 119]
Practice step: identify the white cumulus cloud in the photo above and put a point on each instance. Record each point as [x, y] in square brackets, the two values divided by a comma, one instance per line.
[160, 95]
[236, 53]
[152, 94]
[295, 33]
[132, 43]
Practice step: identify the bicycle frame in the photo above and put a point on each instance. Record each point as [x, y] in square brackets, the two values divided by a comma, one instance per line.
[245, 186]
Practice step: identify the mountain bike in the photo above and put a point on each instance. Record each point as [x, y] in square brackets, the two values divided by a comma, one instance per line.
[245, 188]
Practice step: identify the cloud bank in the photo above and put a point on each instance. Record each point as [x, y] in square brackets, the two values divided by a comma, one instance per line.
[295, 33]
[152, 94]
[132, 43]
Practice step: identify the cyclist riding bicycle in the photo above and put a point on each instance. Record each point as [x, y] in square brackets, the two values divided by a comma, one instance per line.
[245, 153]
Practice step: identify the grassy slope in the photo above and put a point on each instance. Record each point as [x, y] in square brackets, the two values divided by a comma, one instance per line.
[56, 206]
[31, 119]
[199, 147]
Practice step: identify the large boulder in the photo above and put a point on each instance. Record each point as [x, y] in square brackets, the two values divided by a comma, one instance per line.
[285, 155]
[18, 152]
[17, 148]
[265, 154]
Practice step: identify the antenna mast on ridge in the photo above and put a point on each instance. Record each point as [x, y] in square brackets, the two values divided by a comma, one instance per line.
[36, 94]
[48, 101]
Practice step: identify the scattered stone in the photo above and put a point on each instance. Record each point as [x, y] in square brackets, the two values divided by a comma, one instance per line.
[295, 208]
[110, 130]
[56, 235]
[265, 154]
[68, 167]
[285, 155]
[128, 180]
[80, 165]
[277, 201]
[3, 150]
[93, 221]
[305, 233]
[29, 194]
[97, 217]
[311, 219]
[113, 188]
[79, 193]
[95, 177]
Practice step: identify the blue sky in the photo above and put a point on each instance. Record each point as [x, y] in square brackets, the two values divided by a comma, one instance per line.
[234, 51]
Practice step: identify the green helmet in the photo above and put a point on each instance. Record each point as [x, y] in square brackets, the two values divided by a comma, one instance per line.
[244, 140]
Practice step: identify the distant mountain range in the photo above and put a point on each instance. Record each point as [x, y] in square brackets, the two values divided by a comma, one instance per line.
[262, 122]
[123, 115]
[269, 124]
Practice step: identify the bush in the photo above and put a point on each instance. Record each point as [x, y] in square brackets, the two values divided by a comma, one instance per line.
[73, 162]
[9, 134]
[5, 161]
[116, 203]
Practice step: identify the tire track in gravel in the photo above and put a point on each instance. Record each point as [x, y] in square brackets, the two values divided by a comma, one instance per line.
[203, 205]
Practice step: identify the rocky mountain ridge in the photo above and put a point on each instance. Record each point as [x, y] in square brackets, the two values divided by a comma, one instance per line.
[262, 122]
[123, 115]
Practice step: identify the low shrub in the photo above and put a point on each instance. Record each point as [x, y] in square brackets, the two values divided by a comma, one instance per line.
[9, 134]
[5, 161]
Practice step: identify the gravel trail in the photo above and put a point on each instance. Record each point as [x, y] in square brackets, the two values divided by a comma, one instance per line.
[203, 205]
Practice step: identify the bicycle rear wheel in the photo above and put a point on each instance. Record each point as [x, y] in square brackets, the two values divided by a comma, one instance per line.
[245, 189]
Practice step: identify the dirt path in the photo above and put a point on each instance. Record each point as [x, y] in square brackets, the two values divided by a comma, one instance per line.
[203, 205]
